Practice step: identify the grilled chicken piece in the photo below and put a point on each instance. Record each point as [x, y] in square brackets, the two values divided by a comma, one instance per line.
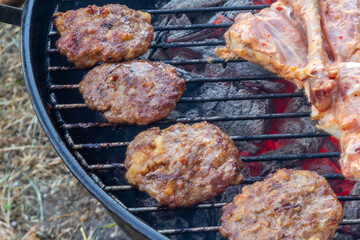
[314, 44]
[341, 23]
[263, 39]
[342, 119]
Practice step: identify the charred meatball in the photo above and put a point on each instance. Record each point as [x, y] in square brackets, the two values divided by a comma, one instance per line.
[103, 34]
[184, 164]
[290, 204]
[134, 92]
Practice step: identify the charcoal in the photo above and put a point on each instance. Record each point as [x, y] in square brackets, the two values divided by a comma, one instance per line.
[235, 108]
[201, 35]
[340, 236]
[352, 211]
[164, 36]
[294, 146]
[230, 193]
[187, 110]
[331, 145]
[267, 86]
[236, 69]
[182, 218]
[191, 3]
[298, 125]
[175, 20]
[233, 3]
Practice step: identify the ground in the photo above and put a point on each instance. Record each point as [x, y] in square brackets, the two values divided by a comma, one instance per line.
[39, 197]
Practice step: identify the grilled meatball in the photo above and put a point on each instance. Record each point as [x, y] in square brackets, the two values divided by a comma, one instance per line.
[103, 34]
[184, 164]
[135, 92]
[290, 204]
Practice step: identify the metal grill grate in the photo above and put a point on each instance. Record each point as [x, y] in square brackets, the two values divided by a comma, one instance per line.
[79, 133]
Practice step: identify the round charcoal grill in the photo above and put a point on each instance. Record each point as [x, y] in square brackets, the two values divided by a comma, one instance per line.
[94, 149]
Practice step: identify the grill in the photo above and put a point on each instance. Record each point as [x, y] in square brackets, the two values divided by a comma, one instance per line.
[100, 146]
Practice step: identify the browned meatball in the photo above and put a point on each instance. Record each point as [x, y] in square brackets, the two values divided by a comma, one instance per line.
[290, 204]
[103, 34]
[184, 164]
[135, 92]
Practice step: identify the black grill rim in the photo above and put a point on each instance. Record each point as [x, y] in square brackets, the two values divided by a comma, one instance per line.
[132, 225]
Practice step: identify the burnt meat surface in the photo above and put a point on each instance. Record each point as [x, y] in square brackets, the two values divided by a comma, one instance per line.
[103, 34]
[134, 92]
[184, 164]
[290, 204]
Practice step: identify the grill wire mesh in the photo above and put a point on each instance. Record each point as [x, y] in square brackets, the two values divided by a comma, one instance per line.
[100, 146]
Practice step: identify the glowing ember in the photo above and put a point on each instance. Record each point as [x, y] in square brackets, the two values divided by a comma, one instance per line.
[323, 166]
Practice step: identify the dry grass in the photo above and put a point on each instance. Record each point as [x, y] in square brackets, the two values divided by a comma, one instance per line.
[39, 198]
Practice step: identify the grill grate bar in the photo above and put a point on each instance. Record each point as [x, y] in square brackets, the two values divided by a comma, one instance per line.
[105, 166]
[287, 157]
[193, 10]
[64, 86]
[349, 198]
[283, 157]
[280, 136]
[188, 44]
[192, 26]
[237, 97]
[191, 80]
[70, 106]
[244, 159]
[99, 145]
[197, 119]
[205, 99]
[163, 208]
[217, 205]
[246, 181]
[173, 62]
[232, 79]
[235, 138]
[172, 45]
[206, 9]
[200, 61]
[350, 221]
[176, 27]
[189, 230]
[216, 228]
